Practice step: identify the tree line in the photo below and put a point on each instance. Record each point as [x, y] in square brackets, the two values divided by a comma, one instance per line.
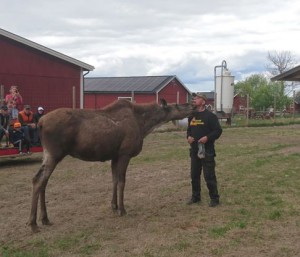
[264, 93]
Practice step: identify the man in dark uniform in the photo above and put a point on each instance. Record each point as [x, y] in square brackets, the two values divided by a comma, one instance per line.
[203, 129]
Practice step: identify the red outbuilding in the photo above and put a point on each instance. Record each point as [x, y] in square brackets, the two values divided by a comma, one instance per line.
[44, 77]
[101, 91]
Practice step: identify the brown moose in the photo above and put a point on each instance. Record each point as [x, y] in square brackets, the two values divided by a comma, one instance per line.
[114, 133]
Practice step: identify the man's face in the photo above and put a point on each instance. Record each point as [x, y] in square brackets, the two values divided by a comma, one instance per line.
[27, 110]
[198, 101]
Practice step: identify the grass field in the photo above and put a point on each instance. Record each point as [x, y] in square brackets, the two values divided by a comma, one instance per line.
[258, 172]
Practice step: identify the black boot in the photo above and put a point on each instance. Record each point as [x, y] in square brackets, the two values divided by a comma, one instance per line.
[193, 201]
[214, 202]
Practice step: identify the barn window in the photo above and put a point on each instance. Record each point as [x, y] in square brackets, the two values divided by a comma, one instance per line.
[126, 98]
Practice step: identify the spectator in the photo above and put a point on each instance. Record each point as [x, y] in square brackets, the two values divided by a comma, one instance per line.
[38, 115]
[13, 112]
[36, 118]
[4, 124]
[25, 117]
[18, 139]
[15, 96]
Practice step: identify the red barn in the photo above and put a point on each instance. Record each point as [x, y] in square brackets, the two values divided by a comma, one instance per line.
[239, 104]
[44, 77]
[98, 92]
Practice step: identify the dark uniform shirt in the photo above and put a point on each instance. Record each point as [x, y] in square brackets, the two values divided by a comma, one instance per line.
[204, 124]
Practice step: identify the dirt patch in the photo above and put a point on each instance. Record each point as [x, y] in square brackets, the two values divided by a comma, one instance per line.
[290, 150]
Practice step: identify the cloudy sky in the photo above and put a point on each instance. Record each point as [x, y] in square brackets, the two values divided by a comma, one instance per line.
[186, 38]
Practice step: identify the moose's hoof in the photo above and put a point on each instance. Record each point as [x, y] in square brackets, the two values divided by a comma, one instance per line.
[122, 212]
[35, 229]
[114, 207]
[46, 222]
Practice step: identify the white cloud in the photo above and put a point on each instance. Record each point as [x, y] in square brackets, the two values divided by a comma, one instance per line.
[139, 37]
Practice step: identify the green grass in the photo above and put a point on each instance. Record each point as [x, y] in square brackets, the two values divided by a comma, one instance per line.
[41, 251]
[259, 184]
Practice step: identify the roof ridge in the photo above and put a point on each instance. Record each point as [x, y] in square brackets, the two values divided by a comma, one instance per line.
[118, 77]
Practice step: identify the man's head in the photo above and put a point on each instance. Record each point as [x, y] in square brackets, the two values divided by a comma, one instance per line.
[199, 100]
[40, 109]
[198, 95]
[27, 108]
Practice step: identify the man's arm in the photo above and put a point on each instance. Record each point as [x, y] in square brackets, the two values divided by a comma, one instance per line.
[20, 118]
[215, 128]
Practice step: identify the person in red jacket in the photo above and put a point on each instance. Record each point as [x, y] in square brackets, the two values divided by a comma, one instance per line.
[25, 117]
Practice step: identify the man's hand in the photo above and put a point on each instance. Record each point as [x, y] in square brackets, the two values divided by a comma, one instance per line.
[32, 125]
[190, 139]
[203, 140]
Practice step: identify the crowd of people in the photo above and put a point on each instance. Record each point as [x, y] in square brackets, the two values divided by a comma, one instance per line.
[17, 125]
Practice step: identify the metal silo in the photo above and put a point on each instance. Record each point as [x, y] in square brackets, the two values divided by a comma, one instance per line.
[224, 92]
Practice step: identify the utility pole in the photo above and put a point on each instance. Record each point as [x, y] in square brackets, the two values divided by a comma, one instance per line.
[1, 94]
[247, 111]
[274, 108]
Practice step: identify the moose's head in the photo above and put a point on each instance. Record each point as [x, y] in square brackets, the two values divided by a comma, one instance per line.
[176, 111]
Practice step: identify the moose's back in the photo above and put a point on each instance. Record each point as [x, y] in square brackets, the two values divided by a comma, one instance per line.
[89, 135]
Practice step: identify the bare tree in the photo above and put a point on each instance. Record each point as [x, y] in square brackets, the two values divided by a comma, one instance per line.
[280, 61]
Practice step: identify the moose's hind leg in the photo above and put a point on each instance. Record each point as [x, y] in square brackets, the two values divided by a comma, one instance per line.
[39, 183]
[44, 216]
[36, 182]
[49, 167]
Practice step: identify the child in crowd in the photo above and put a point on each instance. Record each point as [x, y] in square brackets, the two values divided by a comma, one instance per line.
[17, 138]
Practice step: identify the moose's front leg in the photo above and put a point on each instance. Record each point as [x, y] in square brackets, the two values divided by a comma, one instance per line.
[114, 204]
[121, 187]
[119, 168]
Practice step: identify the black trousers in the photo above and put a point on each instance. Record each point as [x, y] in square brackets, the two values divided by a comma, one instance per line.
[208, 165]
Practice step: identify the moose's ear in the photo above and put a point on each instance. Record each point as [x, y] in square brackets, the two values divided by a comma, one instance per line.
[163, 102]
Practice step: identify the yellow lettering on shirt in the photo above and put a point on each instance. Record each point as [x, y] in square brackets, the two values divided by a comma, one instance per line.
[195, 122]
